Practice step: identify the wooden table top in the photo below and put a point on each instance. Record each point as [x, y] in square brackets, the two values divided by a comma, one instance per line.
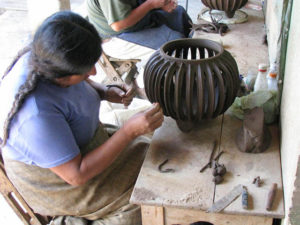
[187, 153]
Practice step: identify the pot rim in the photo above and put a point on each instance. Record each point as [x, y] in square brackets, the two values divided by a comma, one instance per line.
[209, 3]
[215, 46]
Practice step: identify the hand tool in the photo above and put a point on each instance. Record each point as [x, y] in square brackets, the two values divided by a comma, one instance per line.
[212, 152]
[271, 196]
[165, 170]
[209, 163]
[245, 198]
[257, 181]
[210, 157]
[226, 200]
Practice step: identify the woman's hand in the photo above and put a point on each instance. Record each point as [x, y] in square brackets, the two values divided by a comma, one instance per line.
[144, 122]
[159, 3]
[119, 94]
[170, 6]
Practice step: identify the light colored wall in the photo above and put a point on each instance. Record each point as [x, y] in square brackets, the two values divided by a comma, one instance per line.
[290, 111]
[273, 27]
[38, 10]
[294, 212]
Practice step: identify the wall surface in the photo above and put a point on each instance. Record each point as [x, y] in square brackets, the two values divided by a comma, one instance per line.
[294, 212]
[290, 110]
[37, 11]
[290, 123]
[273, 28]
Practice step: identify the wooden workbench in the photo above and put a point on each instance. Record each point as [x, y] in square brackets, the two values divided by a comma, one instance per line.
[182, 197]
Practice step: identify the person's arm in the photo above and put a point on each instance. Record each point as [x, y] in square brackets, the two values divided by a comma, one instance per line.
[81, 169]
[100, 88]
[138, 13]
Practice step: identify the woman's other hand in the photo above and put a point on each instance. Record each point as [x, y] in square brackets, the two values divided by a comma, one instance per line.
[119, 94]
[144, 122]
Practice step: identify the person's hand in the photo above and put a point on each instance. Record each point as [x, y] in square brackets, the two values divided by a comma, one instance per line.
[159, 3]
[119, 94]
[170, 6]
[144, 122]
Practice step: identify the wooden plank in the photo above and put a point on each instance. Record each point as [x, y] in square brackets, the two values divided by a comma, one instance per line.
[186, 217]
[110, 71]
[244, 167]
[152, 215]
[187, 153]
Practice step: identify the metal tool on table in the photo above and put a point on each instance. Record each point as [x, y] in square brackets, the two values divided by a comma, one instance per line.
[245, 198]
[160, 168]
[271, 196]
[226, 200]
[209, 164]
[212, 152]
[257, 181]
[219, 170]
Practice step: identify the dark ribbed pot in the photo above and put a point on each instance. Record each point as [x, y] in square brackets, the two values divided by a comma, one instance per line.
[229, 6]
[192, 79]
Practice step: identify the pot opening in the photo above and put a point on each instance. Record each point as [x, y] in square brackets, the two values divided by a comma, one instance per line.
[191, 50]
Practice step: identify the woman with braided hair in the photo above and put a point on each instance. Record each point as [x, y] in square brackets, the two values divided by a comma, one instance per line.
[58, 155]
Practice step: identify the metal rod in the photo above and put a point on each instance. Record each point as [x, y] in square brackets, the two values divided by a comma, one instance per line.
[186, 5]
[209, 163]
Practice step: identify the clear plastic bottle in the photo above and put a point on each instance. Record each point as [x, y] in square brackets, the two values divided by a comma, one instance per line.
[250, 79]
[261, 79]
[272, 78]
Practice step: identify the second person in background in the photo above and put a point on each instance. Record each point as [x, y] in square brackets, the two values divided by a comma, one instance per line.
[134, 29]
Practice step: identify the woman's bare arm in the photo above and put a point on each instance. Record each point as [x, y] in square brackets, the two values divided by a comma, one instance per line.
[81, 169]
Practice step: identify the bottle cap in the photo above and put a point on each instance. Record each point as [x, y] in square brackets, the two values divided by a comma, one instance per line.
[262, 70]
[262, 66]
[273, 67]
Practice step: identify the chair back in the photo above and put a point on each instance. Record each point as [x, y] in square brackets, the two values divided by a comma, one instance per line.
[16, 201]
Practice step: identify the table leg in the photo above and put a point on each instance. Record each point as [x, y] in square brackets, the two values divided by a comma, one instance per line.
[152, 215]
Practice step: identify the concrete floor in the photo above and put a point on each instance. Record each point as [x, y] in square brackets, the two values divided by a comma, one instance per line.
[15, 33]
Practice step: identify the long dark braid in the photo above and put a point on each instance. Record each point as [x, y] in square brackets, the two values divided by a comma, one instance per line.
[65, 44]
[24, 90]
[15, 60]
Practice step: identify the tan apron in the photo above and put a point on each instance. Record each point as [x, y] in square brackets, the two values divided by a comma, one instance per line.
[104, 198]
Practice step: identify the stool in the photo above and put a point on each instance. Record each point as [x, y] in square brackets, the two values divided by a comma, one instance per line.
[17, 202]
[121, 71]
